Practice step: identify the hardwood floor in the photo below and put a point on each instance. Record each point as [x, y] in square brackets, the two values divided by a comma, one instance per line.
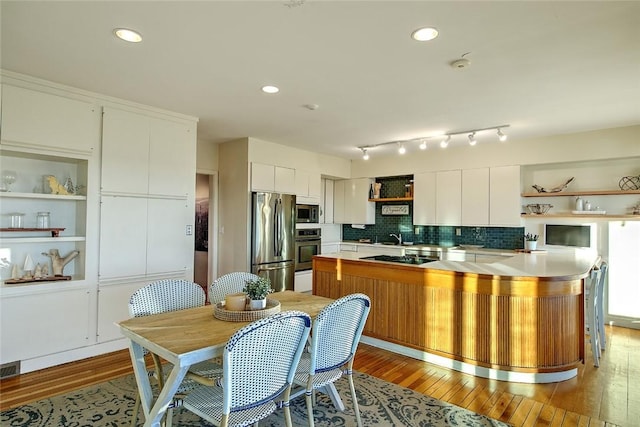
[605, 396]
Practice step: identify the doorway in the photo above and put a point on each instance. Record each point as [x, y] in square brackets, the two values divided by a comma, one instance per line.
[205, 268]
[624, 274]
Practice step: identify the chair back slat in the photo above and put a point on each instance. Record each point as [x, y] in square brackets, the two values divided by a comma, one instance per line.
[260, 360]
[166, 295]
[230, 283]
[337, 330]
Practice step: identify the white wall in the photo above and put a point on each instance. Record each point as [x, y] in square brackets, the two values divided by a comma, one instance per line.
[207, 155]
[600, 144]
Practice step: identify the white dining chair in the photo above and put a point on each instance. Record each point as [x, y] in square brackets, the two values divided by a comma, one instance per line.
[334, 340]
[229, 283]
[160, 297]
[259, 362]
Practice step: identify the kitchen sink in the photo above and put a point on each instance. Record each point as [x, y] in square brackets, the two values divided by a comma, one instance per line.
[401, 259]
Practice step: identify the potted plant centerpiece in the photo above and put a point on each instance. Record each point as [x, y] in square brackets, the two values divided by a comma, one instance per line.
[530, 241]
[257, 291]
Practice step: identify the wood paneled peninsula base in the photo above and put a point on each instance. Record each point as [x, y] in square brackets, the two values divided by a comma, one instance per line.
[519, 320]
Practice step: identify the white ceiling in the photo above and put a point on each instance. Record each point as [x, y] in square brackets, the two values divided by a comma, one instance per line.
[545, 68]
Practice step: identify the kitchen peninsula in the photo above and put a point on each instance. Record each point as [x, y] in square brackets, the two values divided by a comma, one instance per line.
[518, 319]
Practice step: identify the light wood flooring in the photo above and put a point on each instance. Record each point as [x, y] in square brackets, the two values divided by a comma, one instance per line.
[605, 396]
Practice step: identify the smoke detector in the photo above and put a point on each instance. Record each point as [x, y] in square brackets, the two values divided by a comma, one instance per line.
[460, 63]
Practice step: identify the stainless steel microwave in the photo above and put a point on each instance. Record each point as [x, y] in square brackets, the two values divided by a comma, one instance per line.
[307, 213]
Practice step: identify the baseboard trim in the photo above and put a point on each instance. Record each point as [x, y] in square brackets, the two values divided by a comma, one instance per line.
[478, 371]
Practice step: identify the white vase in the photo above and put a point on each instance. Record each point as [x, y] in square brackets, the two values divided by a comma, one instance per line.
[530, 245]
[257, 304]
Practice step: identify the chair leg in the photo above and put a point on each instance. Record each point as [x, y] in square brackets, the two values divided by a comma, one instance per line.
[356, 407]
[308, 398]
[136, 408]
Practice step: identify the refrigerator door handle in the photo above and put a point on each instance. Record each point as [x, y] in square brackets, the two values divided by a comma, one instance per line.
[269, 268]
[278, 228]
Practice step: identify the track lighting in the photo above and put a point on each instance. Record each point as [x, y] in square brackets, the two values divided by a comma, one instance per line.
[444, 139]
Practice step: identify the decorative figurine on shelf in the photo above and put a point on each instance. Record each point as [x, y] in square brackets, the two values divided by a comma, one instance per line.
[376, 190]
[58, 262]
[557, 189]
[68, 184]
[54, 186]
[45, 270]
[28, 267]
[38, 271]
[14, 272]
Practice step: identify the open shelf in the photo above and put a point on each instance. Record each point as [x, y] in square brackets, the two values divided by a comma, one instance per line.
[569, 215]
[584, 193]
[393, 199]
[11, 194]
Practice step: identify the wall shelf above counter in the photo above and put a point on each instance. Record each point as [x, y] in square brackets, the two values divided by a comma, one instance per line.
[584, 193]
[392, 199]
[569, 215]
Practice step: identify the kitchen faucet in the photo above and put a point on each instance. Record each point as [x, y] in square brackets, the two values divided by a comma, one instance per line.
[397, 236]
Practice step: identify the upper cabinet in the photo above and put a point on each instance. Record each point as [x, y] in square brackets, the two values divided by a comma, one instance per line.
[38, 120]
[504, 196]
[327, 201]
[475, 197]
[272, 178]
[351, 202]
[308, 188]
[424, 198]
[154, 152]
[449, 197]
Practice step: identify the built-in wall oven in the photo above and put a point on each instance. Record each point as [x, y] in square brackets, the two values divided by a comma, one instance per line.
[307, 245]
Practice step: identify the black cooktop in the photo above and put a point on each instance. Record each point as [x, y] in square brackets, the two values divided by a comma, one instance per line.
[406, 259]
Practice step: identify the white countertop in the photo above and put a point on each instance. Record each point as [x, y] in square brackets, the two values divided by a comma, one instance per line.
[556, 262]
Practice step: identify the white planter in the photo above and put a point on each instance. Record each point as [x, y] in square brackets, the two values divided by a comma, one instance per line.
[530, 245]
[257, 304]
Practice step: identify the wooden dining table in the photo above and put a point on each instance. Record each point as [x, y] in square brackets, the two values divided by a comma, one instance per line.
[187, 337]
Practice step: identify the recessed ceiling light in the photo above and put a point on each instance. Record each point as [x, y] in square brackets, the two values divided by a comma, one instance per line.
[270, 89]
[424, 34]
[128, 35]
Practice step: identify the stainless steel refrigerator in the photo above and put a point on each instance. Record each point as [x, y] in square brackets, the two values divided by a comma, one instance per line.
[272, 238]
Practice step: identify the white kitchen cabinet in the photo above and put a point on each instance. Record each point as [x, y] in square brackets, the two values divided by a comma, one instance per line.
[355, 206]
[327, 202]
[149, 239]
[424, 198]
[303, 281]
[307, 186]
[35, 119]
[504, 196]
[475, 197]
[272, 178]
[329, 248]
[449, 197]
[154, 153]
[285, 180]
[338, 201]
[53, 319]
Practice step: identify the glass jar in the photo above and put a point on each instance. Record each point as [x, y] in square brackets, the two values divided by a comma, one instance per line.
[17, 220]
[42, 220]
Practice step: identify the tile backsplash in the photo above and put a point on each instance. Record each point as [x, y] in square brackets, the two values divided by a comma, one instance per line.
[489, 237]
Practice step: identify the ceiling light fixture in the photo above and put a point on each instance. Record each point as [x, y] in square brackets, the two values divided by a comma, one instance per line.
[501, 136]
[128, 35]
[270, 89]
[365, 155]
[444, 139]
[424, 34]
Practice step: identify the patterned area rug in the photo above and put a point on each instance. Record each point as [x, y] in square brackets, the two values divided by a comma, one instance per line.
[381, 403]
